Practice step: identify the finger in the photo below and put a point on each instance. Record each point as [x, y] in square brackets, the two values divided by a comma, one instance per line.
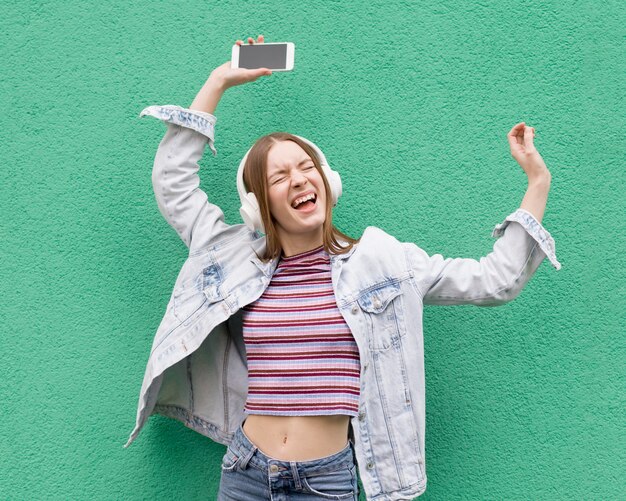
[512, 138]
[528, 137]
[261, 39]
[520, 132]
[515, 135]
[516, 128]
[250, 40]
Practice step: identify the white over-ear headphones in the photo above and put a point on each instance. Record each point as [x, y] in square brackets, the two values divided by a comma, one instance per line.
[250, 211]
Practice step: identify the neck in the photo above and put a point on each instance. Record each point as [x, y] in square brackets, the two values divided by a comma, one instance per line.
[297, 244]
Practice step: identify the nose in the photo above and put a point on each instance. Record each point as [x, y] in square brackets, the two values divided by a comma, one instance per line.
[299, 179]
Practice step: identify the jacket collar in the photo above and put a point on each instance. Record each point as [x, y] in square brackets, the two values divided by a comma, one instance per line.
[268, 268]
[345, 255]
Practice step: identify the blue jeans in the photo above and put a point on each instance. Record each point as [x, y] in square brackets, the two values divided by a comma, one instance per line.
[248, 474]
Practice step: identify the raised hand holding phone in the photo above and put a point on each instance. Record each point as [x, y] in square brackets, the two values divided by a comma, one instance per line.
[224, 77]
[230, 76]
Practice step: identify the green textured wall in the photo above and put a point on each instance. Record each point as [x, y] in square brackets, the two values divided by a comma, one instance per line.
[411, 102]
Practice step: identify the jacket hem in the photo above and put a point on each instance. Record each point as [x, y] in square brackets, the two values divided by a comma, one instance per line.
[194, 422]
[401, 495]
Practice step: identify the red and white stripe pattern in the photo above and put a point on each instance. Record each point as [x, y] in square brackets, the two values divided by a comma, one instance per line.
[302, 357]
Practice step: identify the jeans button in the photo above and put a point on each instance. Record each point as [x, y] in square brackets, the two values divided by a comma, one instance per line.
[273, 468]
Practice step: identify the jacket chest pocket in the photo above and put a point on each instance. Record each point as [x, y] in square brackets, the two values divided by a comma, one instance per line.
[383, 310]
[196, 294]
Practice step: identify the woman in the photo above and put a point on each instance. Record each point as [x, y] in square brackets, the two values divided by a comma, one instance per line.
[295, 345]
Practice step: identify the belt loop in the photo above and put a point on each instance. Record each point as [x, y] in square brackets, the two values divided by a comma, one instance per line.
[296, 477]
[243, 463]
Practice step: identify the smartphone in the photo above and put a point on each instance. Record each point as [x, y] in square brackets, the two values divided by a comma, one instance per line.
[277, 56]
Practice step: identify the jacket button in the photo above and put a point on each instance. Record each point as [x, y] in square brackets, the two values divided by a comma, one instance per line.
[355, 309]
[370, 465]
[376, 302]
[361, 416]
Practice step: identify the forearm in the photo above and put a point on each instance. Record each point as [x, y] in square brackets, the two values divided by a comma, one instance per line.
[536, 197]
[208, 97]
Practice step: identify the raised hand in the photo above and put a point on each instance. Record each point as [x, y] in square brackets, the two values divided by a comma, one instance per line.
[229, 77]
[523, 150]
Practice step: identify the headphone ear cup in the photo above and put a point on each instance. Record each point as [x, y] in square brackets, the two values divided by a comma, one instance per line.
[334, 180]
[251, 212]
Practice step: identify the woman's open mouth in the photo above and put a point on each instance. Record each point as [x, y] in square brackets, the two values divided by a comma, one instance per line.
[306, 203]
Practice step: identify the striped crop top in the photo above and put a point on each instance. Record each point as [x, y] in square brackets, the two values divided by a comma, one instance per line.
[302, 357]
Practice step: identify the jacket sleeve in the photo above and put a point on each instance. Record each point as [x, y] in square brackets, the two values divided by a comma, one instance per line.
[523, 243]
[175, 177]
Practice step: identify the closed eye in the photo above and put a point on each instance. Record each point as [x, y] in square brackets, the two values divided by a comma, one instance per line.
[280, 179]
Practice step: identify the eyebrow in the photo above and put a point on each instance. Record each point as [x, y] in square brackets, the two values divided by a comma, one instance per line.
[282, 169]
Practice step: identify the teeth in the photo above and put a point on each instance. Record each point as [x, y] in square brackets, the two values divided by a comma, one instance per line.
[300, 200]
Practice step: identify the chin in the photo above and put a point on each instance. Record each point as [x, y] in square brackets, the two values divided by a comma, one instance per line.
[309, 227]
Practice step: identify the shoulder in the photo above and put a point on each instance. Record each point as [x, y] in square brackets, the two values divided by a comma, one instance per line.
[379, 258]
[377, 245]
[375, 239]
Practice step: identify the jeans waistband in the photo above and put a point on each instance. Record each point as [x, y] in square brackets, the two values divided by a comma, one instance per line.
[251, 455]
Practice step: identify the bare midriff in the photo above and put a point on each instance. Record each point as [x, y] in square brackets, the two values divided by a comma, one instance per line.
[297, 438]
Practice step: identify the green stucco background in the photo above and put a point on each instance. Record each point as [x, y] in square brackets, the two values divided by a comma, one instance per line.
[411, 102]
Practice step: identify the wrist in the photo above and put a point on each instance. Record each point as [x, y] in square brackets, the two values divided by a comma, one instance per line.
[540, 181]
[208, 97]
[215, 84]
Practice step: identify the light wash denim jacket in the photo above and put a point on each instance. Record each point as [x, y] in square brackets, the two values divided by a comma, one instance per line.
[197, 370]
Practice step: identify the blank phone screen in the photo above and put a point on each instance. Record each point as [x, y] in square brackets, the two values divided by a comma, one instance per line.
[263, 56]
